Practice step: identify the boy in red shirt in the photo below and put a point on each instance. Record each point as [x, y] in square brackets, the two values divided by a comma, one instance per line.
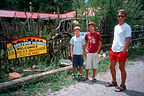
[92, 47]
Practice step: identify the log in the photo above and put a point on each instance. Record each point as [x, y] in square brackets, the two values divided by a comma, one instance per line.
[106, 45]
[30, 79]
[34, 70]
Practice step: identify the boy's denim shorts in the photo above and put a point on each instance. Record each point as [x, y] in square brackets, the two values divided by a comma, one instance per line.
[77, 61]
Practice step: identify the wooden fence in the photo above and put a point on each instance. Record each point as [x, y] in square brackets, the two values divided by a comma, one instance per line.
[57, 39]
[57, 43]
[137, 36]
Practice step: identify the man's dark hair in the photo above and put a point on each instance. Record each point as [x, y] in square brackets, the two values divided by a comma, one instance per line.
[122, 11]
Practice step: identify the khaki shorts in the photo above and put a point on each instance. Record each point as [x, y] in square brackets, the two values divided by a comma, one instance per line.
[92, 61]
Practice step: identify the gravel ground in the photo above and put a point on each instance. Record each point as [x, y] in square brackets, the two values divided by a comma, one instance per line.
[134, 83]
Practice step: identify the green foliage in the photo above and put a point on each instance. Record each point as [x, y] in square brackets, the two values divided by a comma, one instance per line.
[134, 52]
[103, 65]
[79, 4]
[49, 6]
[52, 83]
[142, 2]
[106, 13]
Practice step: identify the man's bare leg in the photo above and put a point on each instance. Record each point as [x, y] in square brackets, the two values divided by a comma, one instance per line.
[123, 72]
[112, 69]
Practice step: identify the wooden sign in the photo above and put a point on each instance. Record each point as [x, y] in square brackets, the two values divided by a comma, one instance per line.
[27, 46]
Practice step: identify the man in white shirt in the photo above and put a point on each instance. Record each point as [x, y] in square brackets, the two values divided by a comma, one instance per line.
[118, 52]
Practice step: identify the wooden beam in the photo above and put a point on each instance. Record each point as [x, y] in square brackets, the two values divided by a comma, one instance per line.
[34, 70]
[106, 45]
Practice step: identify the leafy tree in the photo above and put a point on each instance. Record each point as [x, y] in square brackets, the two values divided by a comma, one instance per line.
[142, 2]
[48, 6]
[106, 12]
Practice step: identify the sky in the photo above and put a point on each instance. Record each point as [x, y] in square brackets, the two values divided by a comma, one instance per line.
[86, 1]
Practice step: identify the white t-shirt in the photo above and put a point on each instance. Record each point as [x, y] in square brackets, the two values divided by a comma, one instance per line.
[120, 34]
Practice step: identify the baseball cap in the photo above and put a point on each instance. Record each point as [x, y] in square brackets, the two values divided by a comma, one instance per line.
[77, 27]
[91, 23]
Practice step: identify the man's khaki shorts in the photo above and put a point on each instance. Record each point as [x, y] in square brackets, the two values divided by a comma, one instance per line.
[92, 60]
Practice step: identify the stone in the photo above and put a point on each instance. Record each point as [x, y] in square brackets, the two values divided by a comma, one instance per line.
[14, 75]
[65, 62]
[35, 66]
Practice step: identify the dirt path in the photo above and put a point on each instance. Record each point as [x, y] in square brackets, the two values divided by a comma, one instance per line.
[135, 83]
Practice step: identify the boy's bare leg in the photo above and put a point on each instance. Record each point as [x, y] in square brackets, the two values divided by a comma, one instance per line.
[73, 70]
[80, 70]
[123, 72]
[112, 69]
[87, 71]
[94, 71]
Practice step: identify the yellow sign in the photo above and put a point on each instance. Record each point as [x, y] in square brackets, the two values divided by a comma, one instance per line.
[27, 46]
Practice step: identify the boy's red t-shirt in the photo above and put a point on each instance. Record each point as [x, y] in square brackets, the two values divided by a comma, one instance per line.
[93, 41]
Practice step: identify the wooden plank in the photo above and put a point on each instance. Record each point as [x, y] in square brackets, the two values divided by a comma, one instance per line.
[34, 70]
[138, 39]
[20, 30]
[30, 79]
[38, 26]
[29, 29]
[33, 24]
[36, 29]
[5, 58]
[106, 45]
[137, 31]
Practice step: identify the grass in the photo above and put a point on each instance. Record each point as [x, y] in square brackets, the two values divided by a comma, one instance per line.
[52, 83]
[135, 52]
[62, 79]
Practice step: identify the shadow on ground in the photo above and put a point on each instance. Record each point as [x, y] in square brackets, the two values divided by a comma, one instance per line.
[134, 93]
[97, 82]
[128, 92]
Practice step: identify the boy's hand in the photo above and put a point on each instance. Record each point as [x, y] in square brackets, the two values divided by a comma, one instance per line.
[86, 51]
[99, 56]
[83, 55]
[72, 56]
[97, 52]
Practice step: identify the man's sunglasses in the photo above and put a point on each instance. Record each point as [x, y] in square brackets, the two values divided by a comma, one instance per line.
[120, 16]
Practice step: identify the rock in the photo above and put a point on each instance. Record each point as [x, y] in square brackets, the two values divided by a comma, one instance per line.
[48, 68]
[14, 75]
[65, 62]
[35, 66]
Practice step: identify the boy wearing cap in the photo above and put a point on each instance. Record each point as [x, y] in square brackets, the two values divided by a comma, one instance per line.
[92, 48]
[77, 52]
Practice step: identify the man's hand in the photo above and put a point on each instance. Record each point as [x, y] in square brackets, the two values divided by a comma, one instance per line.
[124, 51]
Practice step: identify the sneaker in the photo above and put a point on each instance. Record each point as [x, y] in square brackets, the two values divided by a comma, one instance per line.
[73, 77]
[80, 77]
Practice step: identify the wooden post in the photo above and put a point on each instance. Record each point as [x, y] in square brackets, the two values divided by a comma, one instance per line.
[58, 18]
[86, 22]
